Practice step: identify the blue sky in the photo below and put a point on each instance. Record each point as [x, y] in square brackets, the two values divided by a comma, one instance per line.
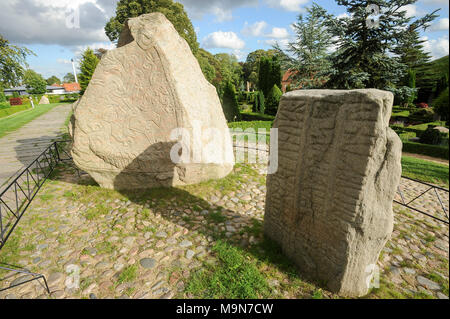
[50, 29]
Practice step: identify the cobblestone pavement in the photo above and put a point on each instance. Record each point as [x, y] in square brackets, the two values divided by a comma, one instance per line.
[115, 245]
[19, 148]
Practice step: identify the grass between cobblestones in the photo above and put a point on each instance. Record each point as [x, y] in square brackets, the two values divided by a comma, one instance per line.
[241, 264]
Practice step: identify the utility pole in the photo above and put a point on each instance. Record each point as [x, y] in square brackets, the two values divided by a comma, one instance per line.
[74, 73]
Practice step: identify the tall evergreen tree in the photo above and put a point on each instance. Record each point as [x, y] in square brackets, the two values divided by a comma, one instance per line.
[365, 43]
[307, 56]
[410, 49]
[269, 74]
[173, 11]
[88, 64]
[230, 104]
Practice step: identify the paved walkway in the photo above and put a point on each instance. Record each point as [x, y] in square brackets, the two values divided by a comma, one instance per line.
[19, 148]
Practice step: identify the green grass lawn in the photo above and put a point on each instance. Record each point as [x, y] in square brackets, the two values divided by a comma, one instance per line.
[425, 170]
[424, 126]
[7, 125]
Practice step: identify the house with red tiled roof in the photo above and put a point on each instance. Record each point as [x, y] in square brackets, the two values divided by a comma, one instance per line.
[69, 87]
[287, 79]
[72, 87]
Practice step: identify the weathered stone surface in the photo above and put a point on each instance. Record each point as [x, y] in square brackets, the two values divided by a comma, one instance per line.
[329, 204]
[140, 92]
[44, 100]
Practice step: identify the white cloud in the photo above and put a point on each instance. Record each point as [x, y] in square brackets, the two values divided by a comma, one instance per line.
[411, 10]
[255, 30]
[46, 22]
[438, 2]
[343, 15]
[283, 43]
[278, 33]
[437, 47]
[63, 61]
[240, 55]
[224, 40]
[289, 5]
[440, 25]
[221, 9]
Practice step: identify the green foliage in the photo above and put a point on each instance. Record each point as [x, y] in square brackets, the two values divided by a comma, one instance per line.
[12, 63]
[34, 82]
[269, 74]
[230, 70]
[425, 149]
[260, 102]
[410, 49]
[173, 11]
[431, 136]
[307, 56]
[422, 115]
[440, 105]
[52, 80]
[88, 64]
[404, 95]
[273, 100]
[251, 66]
[432, 78]
[235, 277]
[256, 117]
[2, 97]
[364, 56]
[69, 78]
[230, 104]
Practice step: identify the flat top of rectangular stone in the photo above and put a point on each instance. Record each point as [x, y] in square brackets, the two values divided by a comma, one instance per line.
[328, 93]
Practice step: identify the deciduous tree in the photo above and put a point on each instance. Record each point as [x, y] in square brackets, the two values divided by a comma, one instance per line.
[12, 63]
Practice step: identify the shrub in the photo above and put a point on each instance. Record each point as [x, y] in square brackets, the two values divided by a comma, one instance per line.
[422, 105]
[261, 102]
[440, 105]
[230, 104]
[15, 101]
[273, 100]
[423, 115]
[2, 97]
[255, 105]
[425, 149]
[249, 117]
[15, 95]
[431, 136]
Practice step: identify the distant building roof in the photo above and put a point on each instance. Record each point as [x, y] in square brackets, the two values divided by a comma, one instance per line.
[72, 87]
[53, 87]
[17, 88]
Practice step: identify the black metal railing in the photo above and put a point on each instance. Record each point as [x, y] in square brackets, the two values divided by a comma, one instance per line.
[17, 196]
[427, 189]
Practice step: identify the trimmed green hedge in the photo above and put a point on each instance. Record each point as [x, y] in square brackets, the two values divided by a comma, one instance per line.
[14, 109]
[425, 149]
[256, 117]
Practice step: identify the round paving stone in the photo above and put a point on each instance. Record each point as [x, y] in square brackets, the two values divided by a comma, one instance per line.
[148, 263]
